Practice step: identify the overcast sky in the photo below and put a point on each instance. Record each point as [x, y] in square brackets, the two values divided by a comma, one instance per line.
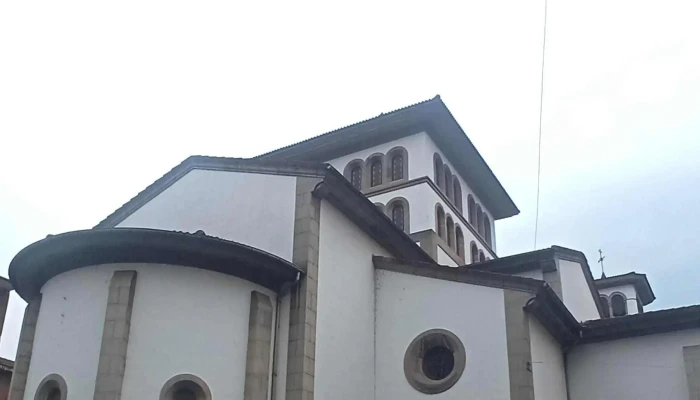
[99, 99]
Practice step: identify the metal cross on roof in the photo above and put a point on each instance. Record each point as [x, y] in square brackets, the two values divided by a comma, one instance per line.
[600, 260]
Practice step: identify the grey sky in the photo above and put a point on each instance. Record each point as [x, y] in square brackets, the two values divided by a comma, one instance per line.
[97, 100]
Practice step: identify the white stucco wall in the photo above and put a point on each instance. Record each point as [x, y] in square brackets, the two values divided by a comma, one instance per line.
[628, 291]
[68, 334]
[642, 368]
[408, 305]
[254, 209]
[418, 164]
[575, 291]
[176, 327]
[548, 371]
[431, 148]
[421, 149]
[421, 201]
[187, 320]
[444, 258]
[345, 309]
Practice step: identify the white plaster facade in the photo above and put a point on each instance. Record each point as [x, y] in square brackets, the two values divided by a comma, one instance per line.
[415, 145]
[576, 291]
[345, 293]
[358, 318]
[641, 368]
[628, 291]
[408, 305]
[176, 328]
[250, 208]
[548, 370]
[423, 201]
[421, 150]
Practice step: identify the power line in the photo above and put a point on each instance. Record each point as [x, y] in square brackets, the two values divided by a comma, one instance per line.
[539, 142]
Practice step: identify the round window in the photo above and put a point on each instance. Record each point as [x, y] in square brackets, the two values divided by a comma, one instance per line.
[438, 362]
[434, 361]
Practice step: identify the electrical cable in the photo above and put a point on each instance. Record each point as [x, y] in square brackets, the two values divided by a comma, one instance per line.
[539, 142]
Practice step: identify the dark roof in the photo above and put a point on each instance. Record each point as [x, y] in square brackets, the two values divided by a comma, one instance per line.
[545, 260]
[458, 274]
[32, 267]
[431, 116]
[648, 323]
[332, 186]
[544, 304]
[6, 365]
[639, 281]
[5, 284]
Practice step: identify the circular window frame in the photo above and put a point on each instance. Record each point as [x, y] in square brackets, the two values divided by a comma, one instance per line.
[50, 382]
[413, 361]
[198, 385]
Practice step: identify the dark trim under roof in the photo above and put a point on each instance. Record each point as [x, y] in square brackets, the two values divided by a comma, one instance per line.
[458, 274]
[648, 323]
[332, 186]
[210, 164]
[639, 281]
[6, 365]
[5, 284]
[549, 309]
[546, 260]
[431, 116]
[544, 304]
[37, 263]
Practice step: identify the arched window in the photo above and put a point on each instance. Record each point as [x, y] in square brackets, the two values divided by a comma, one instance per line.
[185, 387]
[448, 182]
[450, 232]
[474, 252]
[606, 306]
[482, 257]
[440, 222]
[619, 305]
[397, 167]
[399, 212]
[353, 173]
[397, 160]
[375, 177]
[459, 241]
[439, 177]
[487, 229]
[457, 194]
[471, 209]
[397, 215]
[479, 220]
[53, 387]
[356, 177]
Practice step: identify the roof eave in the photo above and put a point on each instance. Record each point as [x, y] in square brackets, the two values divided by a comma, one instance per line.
[39, 262]
[639, 281]
[644, 324]
[431, 116]
[339, 192]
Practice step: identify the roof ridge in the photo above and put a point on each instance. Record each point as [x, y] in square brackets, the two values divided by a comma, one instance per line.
[436, 98]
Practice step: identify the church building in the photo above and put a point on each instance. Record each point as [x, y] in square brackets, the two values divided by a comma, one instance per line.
[358, 264]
